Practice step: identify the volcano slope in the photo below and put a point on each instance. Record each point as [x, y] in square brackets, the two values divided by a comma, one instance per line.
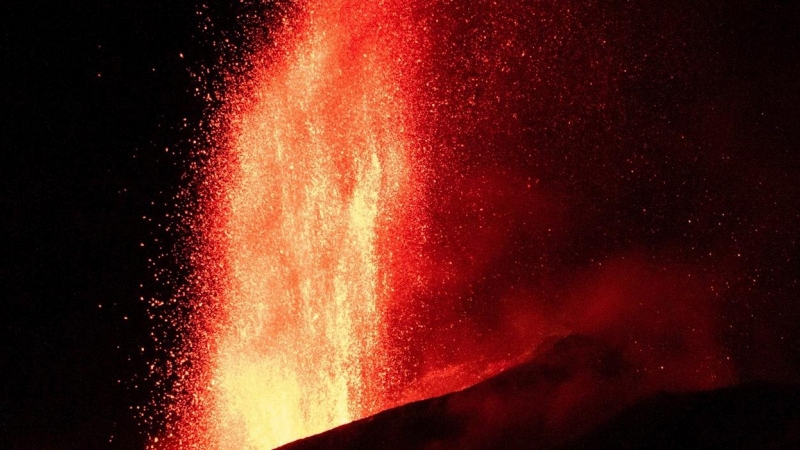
[579, 393]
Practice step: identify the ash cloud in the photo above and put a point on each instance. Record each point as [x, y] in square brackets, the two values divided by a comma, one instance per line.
[616, 170]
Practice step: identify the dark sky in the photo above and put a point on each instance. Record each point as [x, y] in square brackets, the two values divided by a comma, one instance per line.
[93, 146]
[93, 93]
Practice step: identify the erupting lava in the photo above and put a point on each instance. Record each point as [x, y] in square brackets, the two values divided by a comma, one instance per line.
[318, 163]
[316, 169]
[408, 197]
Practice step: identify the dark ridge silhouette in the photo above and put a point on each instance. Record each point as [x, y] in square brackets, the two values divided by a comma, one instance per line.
[748, 416]
[578, 393]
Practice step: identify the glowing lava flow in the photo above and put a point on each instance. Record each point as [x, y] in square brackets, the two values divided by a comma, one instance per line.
[317, 166]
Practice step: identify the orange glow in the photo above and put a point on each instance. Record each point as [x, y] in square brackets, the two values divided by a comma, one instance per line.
[405, 198]
[317, 169]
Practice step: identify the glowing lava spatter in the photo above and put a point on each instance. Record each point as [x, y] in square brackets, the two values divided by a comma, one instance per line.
[407, 197]
[316, 169]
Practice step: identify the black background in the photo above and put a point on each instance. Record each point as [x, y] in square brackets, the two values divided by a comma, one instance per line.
[93, 147]
[94, 93]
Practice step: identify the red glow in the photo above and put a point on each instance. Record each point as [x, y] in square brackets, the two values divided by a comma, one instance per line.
[407, 199]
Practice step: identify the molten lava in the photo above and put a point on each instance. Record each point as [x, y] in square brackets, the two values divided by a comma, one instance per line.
[317, 169]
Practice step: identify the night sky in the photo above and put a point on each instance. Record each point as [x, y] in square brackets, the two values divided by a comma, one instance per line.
[583, 151]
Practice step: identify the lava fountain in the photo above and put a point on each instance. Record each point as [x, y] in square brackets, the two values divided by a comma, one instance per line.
[407, 197]
[317, 177]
